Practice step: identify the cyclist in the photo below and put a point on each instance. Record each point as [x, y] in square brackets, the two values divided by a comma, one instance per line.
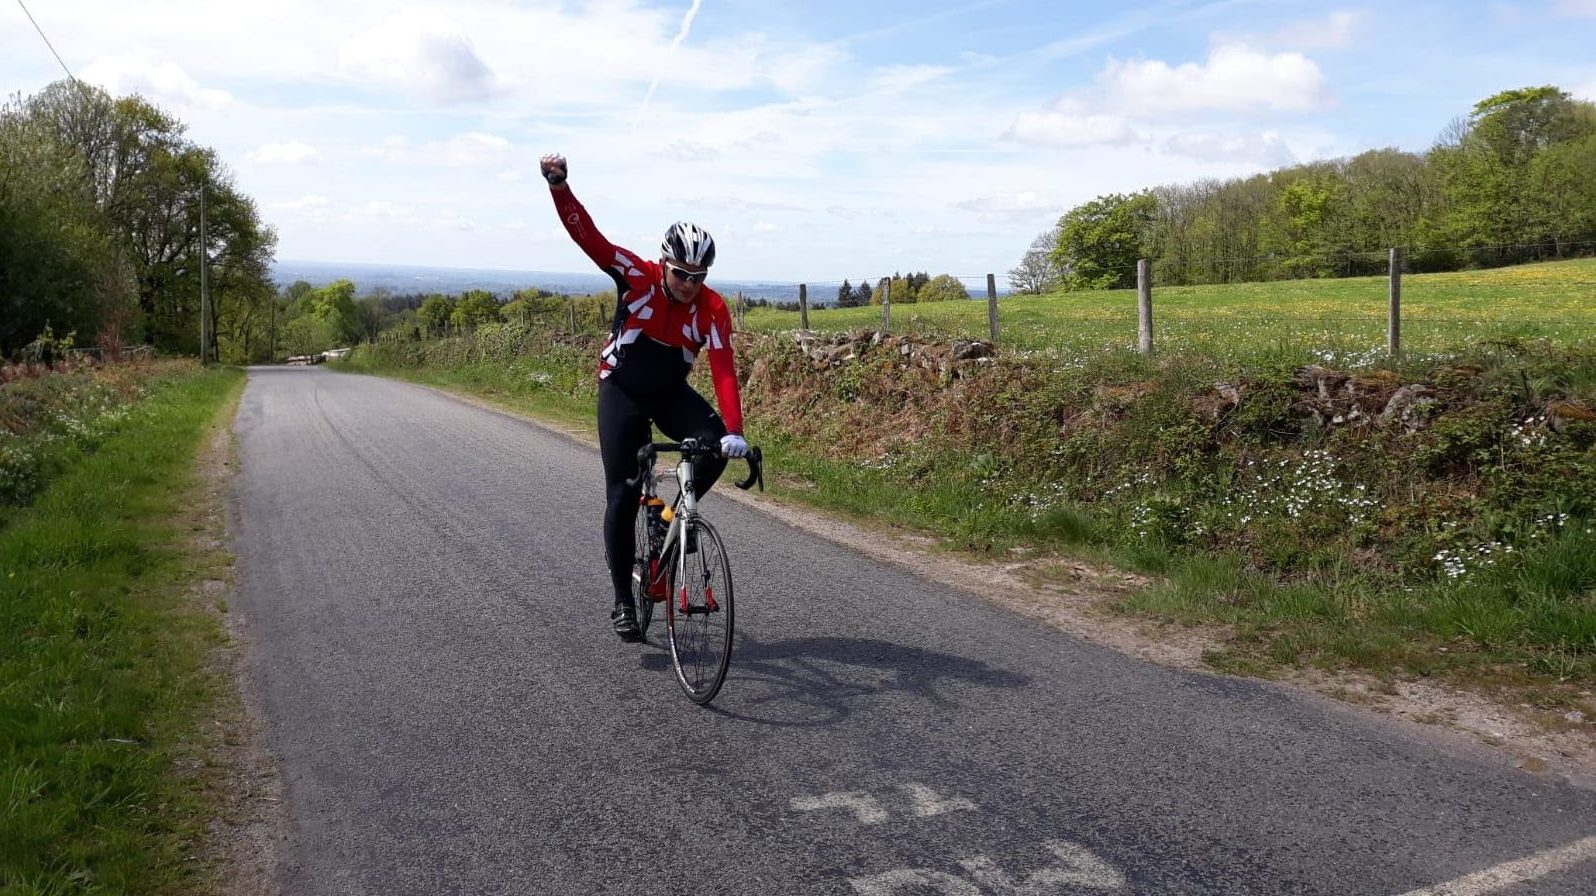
[664, 315]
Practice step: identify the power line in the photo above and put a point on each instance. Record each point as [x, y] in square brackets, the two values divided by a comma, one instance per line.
[47, 43]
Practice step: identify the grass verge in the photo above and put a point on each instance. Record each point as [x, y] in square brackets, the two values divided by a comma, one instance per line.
[106, 672]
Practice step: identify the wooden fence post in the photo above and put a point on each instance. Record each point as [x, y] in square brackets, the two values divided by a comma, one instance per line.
[991, 306]
[886, 306]
[741, 310]
[1393, 338]
[571, 306]
[803, 305]
[1144, 306]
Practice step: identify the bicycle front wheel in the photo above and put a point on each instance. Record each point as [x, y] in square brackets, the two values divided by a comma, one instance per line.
[698, 615]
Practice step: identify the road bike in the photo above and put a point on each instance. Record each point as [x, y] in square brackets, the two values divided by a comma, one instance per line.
[681, 563]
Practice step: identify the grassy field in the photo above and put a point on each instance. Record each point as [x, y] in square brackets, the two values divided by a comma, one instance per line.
[105, 653]
[1342, 321]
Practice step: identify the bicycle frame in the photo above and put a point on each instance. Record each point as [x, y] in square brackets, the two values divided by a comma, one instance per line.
[683, 511]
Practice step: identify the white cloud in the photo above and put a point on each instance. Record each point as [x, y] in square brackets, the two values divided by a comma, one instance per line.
[1236, 78]
[1336, 31]
[898, 78]
[422, 53]
[1586, 91]
[284, 154]
[688, 151]
[310, 206]
[1072, 129]
[1578, 9]
[163, 83]
[1266, 149]
[1026, 205]
[470, 150]
[379, 208]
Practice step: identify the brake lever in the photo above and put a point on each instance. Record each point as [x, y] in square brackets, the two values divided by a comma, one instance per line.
[645, 465]
[756, 470]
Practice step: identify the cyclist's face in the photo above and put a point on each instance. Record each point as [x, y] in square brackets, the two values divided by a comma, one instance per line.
[683, 280]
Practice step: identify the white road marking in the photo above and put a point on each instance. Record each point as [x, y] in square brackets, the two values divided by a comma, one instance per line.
[1077, 871]
[915, 880]
[927, 803]
[863, 805]
[1516, 872]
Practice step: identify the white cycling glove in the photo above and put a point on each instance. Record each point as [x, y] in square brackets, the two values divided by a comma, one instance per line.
[733, 445]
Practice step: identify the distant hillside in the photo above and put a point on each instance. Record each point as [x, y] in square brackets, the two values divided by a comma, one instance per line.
[416, 279]
[404, 279]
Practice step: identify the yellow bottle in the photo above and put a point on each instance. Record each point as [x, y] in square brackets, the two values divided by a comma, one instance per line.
[667, 514]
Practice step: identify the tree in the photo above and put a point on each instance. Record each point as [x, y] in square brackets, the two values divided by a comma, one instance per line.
[862, 294]
[1036, 273]
[899, 290]
[1307, 222]
[1485, 172]
[334, 305]
[306, 335]
[435, 313]
[943, 288]
[145, 179]
[476, 307]
[1100, 241]
[1388, 193]
[59, 265]
[1563, 191]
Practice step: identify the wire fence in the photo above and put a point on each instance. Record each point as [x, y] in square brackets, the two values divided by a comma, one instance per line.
[1350, 320]
[1401, 310]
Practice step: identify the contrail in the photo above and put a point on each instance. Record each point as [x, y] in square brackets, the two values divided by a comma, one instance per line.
[687, 25]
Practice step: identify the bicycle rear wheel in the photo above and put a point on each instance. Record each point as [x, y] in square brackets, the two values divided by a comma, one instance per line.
[698, 615]
[642, 554]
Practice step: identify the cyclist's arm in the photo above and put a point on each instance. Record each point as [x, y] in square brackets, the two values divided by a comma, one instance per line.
[609, 257]
[723, 371]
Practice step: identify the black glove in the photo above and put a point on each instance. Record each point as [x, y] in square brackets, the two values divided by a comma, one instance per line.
[554, 170]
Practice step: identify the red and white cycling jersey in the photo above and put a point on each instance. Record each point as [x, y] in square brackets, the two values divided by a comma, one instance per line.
[656, 340]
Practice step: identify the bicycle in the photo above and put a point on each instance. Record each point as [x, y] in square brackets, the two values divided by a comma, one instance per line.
[682, 563]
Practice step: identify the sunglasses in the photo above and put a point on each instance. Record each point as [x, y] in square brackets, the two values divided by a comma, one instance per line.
[687, 276]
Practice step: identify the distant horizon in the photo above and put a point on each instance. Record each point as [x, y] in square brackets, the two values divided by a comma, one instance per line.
[417, 278]
[409, 279]
[432, 267]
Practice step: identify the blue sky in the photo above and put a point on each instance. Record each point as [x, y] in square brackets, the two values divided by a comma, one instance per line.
[817, 141]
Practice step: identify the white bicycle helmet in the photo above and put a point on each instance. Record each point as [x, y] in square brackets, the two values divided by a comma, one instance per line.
[689, 244]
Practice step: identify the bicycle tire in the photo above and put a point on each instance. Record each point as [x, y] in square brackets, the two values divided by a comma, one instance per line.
[699, 615]
[640, 572]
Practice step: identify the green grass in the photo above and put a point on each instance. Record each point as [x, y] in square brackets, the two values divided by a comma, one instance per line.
[1341, 319]
[104, 676]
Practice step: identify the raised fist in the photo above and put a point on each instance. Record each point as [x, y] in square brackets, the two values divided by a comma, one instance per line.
[554, 170]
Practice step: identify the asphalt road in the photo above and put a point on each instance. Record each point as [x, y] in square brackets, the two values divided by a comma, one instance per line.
[424, 609]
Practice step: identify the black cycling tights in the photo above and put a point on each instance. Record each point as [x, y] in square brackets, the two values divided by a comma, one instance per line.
[623, 425]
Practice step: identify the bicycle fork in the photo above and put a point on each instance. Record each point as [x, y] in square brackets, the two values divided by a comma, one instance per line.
[678, 535]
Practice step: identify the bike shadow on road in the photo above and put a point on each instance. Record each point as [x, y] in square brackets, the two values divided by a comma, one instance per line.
[822, 680]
